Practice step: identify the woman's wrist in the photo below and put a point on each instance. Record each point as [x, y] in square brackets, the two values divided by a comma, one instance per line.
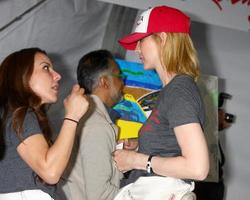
[72, 120]
[140, 161]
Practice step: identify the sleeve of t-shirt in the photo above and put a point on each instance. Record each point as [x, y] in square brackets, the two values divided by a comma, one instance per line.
[182, 107]
[30, 127]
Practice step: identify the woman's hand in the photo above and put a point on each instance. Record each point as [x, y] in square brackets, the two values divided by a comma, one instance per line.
[124, 159]
[49, 162]
[76, 104]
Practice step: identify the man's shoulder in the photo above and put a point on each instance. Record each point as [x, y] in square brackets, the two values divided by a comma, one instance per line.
[96, 122]
[95, 117]
[97, 111]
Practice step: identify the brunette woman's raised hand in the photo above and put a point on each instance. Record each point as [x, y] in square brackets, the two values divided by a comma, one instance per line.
[76, 103]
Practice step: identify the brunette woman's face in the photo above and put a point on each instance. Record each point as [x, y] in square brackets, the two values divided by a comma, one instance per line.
[44, 79]
[148, 52]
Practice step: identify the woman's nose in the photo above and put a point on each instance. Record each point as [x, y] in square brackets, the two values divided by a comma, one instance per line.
[56, 76]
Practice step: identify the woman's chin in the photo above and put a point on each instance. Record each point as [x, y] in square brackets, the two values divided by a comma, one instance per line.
[49, 101]
[148, 67]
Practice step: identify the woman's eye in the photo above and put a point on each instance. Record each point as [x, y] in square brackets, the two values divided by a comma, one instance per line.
[46, 67]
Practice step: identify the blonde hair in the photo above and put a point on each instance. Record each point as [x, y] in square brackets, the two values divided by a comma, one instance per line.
[178, 54]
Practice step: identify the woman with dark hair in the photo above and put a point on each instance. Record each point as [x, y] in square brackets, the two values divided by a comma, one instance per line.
[32, 165]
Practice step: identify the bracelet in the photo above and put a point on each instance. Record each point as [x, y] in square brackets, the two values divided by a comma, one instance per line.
[149, 165]
[71, 120]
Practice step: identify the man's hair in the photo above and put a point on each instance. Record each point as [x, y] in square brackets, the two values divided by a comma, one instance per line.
[91, 66]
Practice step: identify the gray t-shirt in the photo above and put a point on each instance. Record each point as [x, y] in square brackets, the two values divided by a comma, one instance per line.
[15, 174]
[179, 103]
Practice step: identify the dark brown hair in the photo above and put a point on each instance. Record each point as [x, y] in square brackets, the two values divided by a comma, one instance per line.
[16, 96]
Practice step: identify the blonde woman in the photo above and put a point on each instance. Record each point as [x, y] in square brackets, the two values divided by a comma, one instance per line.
[171, 142]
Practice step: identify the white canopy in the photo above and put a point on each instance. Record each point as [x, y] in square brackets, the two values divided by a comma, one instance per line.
[233, 14]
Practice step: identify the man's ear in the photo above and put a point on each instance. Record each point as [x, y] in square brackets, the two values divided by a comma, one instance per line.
[104, 82]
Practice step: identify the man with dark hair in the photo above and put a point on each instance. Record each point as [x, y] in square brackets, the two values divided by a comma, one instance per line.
[92, 173]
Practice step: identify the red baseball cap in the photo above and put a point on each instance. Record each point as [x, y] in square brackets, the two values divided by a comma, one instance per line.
[154, 20]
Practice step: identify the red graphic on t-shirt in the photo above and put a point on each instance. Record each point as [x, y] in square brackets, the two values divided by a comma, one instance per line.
[155, 116]
[146, 128]
[153, 119]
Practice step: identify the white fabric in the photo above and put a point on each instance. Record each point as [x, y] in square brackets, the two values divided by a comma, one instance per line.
[230, 14]
[142, 22]
[26, 195]
[61, 27]
[155, 187]
[11, 9]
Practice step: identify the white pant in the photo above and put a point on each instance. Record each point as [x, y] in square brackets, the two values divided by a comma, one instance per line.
[156, 187]
[26, 195]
